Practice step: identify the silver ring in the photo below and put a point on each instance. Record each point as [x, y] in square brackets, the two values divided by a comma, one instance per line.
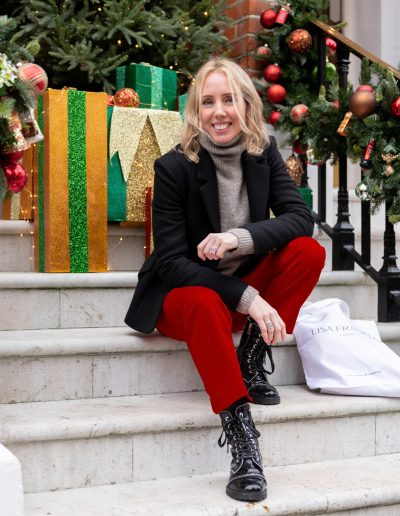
[269, 325]
[213, 250]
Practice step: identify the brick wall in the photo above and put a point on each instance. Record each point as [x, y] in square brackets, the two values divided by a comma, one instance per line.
[242, 32]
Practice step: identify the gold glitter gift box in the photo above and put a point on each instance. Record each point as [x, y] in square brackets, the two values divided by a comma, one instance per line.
[136, 138]
[71, 183]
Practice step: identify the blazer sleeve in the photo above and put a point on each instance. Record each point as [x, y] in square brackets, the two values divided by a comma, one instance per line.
[292, 216]
[174, 266]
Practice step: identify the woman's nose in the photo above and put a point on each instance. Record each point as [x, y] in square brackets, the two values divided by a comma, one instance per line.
[219, 108]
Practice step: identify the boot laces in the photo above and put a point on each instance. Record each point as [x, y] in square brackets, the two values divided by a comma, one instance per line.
[241, 435]
[256, 357]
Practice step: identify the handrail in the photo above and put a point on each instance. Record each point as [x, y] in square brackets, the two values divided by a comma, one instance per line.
[344, 254]
[353, 47]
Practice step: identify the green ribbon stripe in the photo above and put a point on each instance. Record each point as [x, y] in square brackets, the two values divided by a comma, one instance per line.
[78, 224]
[41, 187]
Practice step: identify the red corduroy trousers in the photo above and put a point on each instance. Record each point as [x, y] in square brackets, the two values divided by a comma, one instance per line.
[197, 315]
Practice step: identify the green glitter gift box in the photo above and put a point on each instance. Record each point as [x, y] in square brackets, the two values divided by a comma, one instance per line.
[155, 86]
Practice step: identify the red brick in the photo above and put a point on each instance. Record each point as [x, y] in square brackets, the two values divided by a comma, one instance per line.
[249, 25]
[259, 6]
[239, 10]
[230, 32]
[243, 46]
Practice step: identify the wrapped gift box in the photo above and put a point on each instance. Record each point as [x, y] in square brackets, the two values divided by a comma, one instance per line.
[71, 183]
[136, 138]
[155, 86]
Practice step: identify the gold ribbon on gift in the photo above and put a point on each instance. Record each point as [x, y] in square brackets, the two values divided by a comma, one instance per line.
[140, 136]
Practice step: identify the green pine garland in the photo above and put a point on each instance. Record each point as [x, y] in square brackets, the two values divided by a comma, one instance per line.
[328, 105]
[382, 127]
[15, 95]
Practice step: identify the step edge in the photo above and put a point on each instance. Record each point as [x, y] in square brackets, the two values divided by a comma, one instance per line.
[316, 501]
[109, 423]
[117, 279]
[60, 280]
[50, 343]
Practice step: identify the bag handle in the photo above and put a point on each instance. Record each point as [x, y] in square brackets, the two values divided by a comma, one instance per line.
[309, 310]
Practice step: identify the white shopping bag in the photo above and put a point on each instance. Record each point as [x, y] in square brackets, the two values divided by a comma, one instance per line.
[344, 356]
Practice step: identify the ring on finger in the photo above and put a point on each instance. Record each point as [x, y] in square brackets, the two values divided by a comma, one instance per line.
[269, 325]
[213, 250]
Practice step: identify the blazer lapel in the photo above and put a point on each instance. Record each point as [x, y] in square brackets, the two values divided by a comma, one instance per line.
[256, 175]
[209, 189]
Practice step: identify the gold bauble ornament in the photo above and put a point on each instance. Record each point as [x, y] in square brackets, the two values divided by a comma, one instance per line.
[363, 103]
[295, 169]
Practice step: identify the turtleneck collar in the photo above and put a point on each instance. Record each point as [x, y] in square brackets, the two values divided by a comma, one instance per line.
[232, 149]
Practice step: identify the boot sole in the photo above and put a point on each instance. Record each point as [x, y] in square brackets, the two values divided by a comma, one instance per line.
[265, 401]
[247, 497]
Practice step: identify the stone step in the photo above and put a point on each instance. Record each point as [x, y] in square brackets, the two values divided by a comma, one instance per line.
[51, 365]
[351, 487]
[33, 300]
[125, 246]
[82, 443]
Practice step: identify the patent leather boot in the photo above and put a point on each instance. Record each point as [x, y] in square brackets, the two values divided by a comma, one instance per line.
[246, 481]
[251, 353]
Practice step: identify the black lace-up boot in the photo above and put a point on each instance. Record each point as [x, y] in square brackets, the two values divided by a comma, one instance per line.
[251, 354]
[246, 481]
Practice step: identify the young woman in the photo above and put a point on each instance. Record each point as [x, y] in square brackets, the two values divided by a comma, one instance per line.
[219, 259]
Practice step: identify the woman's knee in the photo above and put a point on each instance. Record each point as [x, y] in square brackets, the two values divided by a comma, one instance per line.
[312, 251]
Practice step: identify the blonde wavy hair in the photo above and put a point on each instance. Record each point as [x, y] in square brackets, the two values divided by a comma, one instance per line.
[244, 92]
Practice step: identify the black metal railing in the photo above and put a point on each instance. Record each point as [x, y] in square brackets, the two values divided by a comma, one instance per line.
[344, 254]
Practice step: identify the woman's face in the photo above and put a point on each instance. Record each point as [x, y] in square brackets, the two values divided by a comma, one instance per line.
[218, 115]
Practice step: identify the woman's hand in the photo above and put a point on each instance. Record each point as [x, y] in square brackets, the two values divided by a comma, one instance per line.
[271, 325]
[215, 245]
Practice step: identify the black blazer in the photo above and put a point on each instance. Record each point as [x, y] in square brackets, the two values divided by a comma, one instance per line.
[185, 211]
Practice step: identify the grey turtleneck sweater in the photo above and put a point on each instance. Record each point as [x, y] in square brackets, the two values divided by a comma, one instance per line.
[234, 208]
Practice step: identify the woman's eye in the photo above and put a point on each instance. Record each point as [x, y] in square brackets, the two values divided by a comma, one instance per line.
[228, 100]
[207, 102]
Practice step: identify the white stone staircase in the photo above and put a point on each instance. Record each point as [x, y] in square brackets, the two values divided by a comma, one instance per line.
[108, 422]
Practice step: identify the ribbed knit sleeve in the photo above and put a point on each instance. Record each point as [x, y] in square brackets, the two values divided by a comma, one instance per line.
[246, 244]
[247, 298]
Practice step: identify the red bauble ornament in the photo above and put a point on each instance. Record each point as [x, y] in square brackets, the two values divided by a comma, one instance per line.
[335, 104]
[272, 73]
[126, 97]
[395, 107]
[276, 94]
[331, 44]
[300, 40]
[267, 18]
[273, 118]
[298, 113]
[34, 76]
[263, 51]
[14, 156]
[16, 175]
[365, 87]
[110, 100]
[299, 148]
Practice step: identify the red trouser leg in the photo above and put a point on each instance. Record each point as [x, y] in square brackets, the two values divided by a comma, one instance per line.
[285, 278]
[198, 316]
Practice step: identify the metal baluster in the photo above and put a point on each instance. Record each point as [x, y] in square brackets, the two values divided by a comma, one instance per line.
[343, 231]
[389, 276]
[321, 168]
